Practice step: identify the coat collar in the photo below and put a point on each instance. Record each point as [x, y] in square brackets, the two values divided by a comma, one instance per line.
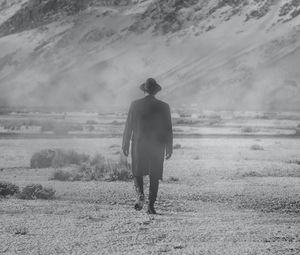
[149, 97]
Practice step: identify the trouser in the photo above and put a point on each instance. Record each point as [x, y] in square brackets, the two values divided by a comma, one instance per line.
[153, 188]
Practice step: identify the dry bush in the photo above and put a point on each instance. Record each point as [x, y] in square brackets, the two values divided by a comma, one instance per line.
[36, 191]
[61, 175]
[97, 168]
[257, 147]
[185, 121]
[8, 189]
[173, 179]
[252, 174]
[119, 171]
[177, 146]
[63, 158]
[42, 159]
[295, 161]
[56, 158]
[20, 230]
[115, 170]
[248, 130]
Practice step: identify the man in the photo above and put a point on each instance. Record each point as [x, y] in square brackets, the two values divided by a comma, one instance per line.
[149, 127]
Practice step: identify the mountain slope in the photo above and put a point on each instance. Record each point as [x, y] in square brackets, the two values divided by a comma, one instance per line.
[226, 54]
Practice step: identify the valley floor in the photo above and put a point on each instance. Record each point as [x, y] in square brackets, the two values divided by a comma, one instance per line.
[228, 199]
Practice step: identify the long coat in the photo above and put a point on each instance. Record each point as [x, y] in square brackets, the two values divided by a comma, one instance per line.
[149, 127]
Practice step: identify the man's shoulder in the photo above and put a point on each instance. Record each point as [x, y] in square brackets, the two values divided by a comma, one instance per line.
[136, 102]
[142, 101]
[163, 104]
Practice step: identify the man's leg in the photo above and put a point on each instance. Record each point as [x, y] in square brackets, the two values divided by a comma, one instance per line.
[139, 188]
[139, 185]
[153, 189]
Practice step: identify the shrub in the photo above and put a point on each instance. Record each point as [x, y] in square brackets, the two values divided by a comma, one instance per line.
[296, 161]
[248, 130]
[63, 158]
[177, 146]
[8, 189]
[98, 160]
[57, 158]
[120, 174]
[60, 159]
[61, 175]
[45, 193]
[87, 172]
[42, 159]
[257, 147]
[252, 174]
[173, 179]
[119, 171]
[95, 168]
[77, 158]
[21, 230]
[36, 191]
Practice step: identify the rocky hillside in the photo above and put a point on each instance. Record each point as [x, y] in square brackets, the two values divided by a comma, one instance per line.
[219, 54]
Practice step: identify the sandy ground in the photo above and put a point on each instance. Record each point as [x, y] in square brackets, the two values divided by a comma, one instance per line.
[229, 199]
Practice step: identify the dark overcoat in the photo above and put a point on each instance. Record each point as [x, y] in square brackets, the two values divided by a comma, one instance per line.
[149, 127]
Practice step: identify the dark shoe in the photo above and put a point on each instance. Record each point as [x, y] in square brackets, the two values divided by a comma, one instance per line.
[139, 203]
[151, 210]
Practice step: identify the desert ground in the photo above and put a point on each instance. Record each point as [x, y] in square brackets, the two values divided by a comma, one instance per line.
[220, 195]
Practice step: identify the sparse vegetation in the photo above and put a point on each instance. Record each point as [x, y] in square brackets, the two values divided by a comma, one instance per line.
[173, 179]
[8, 189]
[97, 168]
[248, 130]
[296, 161]
[61, 175]
[21, 230]
[57, 158]
[252, 174]
[186, 121]
[42, 159]
[177, 146]
[257, 147]
[36, 191]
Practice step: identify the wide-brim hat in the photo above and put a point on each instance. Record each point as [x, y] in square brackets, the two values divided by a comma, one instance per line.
[150, 86]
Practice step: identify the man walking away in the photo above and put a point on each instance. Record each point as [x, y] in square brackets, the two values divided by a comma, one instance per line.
[149, 128]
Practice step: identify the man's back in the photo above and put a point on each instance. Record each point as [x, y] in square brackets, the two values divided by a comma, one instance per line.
[151, 119]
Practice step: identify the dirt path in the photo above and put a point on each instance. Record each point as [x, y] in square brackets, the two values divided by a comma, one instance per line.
[73, 227]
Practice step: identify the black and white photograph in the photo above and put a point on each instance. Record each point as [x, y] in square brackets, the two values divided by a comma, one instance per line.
[150, 127]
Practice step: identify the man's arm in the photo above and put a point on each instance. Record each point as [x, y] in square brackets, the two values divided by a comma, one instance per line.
[169, 140]
[127, 132]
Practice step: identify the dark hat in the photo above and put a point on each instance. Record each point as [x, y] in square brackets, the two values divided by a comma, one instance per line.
[150, 86]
